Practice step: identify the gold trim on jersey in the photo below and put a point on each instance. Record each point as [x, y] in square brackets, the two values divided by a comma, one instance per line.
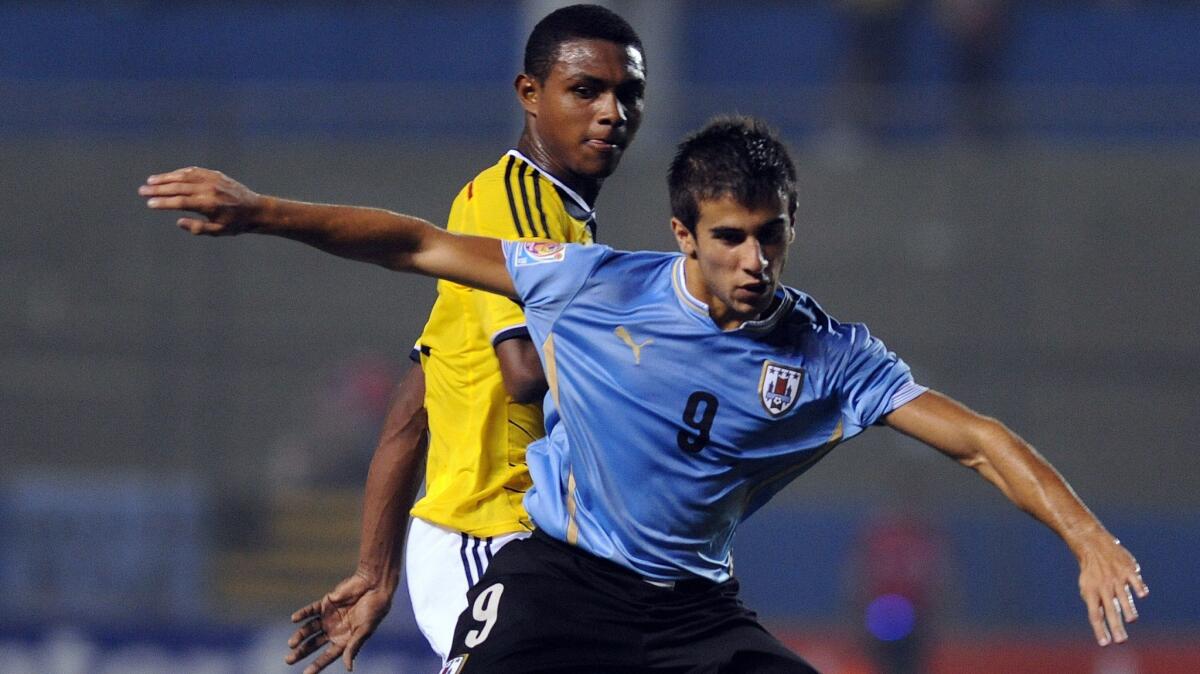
[551, 369]
[572, 525]
[791, 471]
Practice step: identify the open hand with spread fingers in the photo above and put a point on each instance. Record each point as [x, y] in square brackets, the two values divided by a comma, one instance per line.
[227, 206]
[344, 619]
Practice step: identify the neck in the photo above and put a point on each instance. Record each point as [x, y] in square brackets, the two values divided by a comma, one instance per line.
[532, 146]
[722, 315]
[719, 313]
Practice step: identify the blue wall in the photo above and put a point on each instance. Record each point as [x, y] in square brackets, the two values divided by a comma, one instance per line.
[468, 42]
[779, 46]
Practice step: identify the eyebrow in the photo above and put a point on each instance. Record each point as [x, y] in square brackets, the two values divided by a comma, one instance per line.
[779, 220]
[584, 78]
[595, 81]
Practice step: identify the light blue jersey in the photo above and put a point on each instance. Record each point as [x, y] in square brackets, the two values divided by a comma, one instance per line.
[664, 432]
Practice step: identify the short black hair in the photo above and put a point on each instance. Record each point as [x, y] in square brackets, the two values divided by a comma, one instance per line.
[576, 22]
[733, 156]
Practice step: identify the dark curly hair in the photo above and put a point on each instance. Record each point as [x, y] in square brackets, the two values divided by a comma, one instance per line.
[576, 22]
[731, 156]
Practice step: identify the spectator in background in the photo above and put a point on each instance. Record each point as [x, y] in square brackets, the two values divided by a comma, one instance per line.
[900, 568]
[334, 439]
[977, 31]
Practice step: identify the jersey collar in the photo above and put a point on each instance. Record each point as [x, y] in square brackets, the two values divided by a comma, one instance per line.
[572, 194]
[782, 305]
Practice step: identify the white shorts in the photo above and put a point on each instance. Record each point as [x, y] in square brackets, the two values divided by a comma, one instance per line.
[441, 565]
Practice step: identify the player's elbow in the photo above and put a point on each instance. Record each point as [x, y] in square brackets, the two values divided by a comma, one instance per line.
[989, 439]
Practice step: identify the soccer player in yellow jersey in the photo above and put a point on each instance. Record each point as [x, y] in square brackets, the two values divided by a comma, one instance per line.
[480, 382]
[476, 475]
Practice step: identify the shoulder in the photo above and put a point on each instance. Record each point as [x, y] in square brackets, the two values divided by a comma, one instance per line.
[490, 180]
[503, 202]
[620, 268]
[542, 252]
[599, 268]
[807, 316]
[809, 321]
[509, 175]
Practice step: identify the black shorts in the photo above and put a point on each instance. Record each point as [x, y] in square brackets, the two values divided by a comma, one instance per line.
[546, 606]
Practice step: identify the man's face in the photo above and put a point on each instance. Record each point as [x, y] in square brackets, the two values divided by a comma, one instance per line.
[590, 105]
[736, 257]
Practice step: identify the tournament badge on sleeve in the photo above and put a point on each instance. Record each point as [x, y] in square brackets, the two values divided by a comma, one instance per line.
[779, 387]
[453, 665]
[539, 252]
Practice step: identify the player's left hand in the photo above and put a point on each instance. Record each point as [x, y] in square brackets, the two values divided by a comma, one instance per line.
[344, 618]
[227, 206]
[1109, 577]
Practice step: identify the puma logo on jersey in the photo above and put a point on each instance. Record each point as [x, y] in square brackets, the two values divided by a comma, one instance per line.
[628, 339]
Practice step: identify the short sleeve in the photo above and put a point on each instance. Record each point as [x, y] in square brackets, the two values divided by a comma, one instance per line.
[873, 381]
[548, 274]
[500, 317]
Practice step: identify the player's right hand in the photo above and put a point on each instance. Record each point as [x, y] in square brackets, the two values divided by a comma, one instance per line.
[1109, 578]
[227, 206]
[345, 618]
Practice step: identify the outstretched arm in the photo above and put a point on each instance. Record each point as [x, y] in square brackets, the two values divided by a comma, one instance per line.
[1109, 576]
[399, 242]
[348, 615]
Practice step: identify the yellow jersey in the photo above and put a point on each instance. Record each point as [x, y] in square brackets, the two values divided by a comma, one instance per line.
[475, 476]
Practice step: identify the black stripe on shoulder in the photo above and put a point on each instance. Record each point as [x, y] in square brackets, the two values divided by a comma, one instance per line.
[525, 199]
[537, 197]
[512, 202]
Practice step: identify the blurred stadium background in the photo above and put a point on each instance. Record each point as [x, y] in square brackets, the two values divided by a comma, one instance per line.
[1008, 192]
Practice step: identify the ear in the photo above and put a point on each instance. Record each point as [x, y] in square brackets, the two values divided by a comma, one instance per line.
[684, 238]
[528, 91]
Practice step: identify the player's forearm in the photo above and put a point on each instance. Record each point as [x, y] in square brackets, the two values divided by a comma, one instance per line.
[393, 481]
[400, 242]
[366, 234]
[1030, 482]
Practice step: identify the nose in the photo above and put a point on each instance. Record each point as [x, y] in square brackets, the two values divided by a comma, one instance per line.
[612, 111]
[754, 259]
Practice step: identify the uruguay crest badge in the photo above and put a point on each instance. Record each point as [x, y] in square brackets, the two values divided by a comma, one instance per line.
[779, 387]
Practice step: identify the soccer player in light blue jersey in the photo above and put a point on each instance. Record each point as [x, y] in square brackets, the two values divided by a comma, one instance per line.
[685, 390]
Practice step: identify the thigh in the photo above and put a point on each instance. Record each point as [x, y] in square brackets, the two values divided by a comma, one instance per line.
[758, 652]
[440, 566]
[525, 617]
[437, 581]
[739, 650]
[714, 633]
